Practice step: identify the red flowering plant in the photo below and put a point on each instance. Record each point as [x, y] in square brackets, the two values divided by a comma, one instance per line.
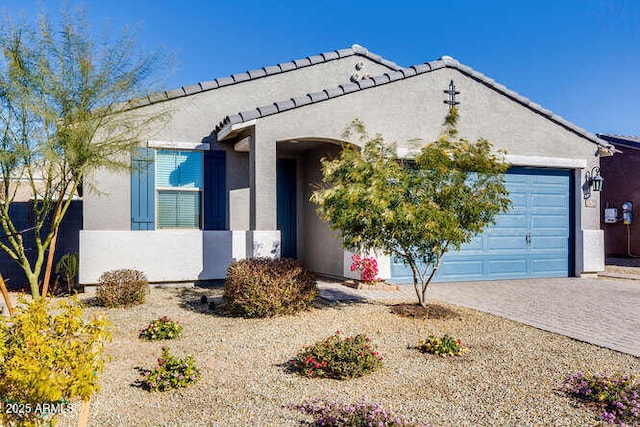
[338, 358]
[442, 346]
[368, 267]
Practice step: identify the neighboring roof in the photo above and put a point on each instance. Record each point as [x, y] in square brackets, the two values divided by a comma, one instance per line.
[284, 67]
[400, 74]
[621, 140]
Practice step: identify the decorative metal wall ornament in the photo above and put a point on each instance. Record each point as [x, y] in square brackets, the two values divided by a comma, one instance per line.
[594, 181]
[360, 73]
[452, 92]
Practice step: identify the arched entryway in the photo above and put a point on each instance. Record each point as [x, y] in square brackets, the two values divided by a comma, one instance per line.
[303, 235]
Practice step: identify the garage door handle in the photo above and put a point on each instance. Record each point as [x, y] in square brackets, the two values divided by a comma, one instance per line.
[528, 238]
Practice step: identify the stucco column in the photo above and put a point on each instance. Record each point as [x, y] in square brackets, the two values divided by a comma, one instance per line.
[262, 174]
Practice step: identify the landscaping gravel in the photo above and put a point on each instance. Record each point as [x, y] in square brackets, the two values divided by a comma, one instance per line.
[509, 376]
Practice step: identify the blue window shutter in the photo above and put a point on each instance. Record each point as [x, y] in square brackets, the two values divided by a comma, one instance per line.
[215, 190]
[142, 189]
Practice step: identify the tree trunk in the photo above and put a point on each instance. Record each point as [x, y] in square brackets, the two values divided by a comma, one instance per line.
[5, 295]
[33, 285]
[52, 251]
[84, 414]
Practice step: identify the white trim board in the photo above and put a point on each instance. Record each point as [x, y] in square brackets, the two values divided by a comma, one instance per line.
[177, 145]
[545, 162]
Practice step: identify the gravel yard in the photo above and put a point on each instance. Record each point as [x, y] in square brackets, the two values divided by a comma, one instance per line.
[509, 376]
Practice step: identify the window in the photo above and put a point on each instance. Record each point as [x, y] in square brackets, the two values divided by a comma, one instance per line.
[179, 189]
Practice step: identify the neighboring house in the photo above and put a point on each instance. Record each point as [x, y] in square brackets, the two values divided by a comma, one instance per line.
[231, 174]
[621, 185]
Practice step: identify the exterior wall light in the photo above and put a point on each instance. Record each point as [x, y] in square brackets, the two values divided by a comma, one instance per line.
[594, 181]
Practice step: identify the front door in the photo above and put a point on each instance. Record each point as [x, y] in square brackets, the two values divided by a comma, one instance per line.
[287, 212]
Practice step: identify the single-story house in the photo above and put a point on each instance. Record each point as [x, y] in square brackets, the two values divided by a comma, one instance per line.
[620, 192]
[231, 173]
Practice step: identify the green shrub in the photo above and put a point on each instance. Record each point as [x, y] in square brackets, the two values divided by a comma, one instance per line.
[49, 356]
[161, 329]
[362, 413]
[266, 287]
[122, 288]
[444, 346]
[171, 372]
[67, 268]
[337, 357]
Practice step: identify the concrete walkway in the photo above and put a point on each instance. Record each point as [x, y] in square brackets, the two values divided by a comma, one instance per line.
[604, 312]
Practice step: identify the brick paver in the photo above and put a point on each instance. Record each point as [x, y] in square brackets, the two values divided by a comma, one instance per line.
[604, 312]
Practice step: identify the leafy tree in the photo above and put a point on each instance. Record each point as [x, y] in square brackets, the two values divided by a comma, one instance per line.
[418, 209]
[63, 100]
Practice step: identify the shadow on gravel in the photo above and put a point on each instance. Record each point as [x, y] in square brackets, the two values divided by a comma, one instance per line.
[204, 300]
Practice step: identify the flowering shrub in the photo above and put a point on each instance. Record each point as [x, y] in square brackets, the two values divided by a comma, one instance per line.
[362, 413]
[49, 356]
[171, 372]
[264, 287]
[161, 329]
[337, 357]
[619, 395]
[368, 267]
[444, 346]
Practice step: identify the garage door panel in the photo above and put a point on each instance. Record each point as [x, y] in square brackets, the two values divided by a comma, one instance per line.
[549, 201]
[540, 209]
[461, 268]
[476, 245]
[548, 243]
[509, 221]
[509, 266]
[549, 267]
[543, 222]
[518, 202]
[506, 243]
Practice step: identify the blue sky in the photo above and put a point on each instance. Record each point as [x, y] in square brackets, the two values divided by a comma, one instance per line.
[578, 58]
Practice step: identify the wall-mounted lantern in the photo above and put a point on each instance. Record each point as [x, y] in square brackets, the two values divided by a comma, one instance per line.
[594, 181]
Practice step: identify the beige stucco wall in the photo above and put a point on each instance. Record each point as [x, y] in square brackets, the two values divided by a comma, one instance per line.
[194, 119]
[321, 250]
[414, 108]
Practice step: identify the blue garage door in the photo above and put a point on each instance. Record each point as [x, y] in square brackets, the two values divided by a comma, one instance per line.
[532, 240]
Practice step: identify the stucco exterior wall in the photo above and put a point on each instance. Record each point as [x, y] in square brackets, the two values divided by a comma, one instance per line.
[322, 251]
[164, 256]
[193, 120]
[414, 108]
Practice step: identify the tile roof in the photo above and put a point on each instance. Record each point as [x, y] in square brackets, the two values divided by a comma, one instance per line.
[621, 140]
[263, 72]
[401, 74]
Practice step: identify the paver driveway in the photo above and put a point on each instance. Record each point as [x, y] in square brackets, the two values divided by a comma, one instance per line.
[599, 311]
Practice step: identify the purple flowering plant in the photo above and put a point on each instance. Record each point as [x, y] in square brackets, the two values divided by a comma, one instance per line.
[617, 395]
[362, 413]
[171, 372]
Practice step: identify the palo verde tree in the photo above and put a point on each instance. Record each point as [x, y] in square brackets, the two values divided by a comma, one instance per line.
[67, 106]
[418, 209]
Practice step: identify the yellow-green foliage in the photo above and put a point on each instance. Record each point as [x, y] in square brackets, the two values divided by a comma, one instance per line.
[49, 354]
